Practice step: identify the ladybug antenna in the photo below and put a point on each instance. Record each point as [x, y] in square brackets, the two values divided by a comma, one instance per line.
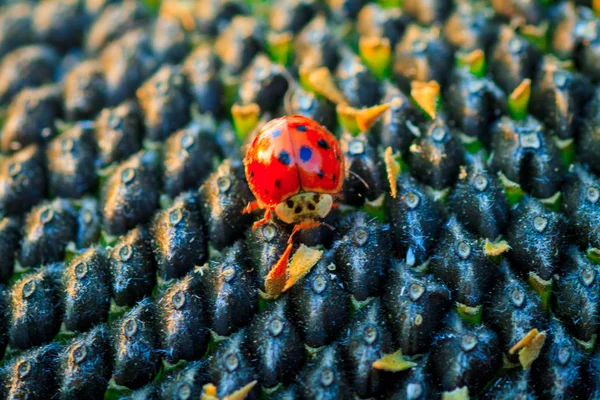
[287, 98]
[357, 176]
[287, 101]
[327, 225]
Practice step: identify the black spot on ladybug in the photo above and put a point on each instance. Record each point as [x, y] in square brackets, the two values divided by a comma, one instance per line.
[321, 174]
[284, 157]
[278, 184]
[311, 207]
[316, 198]
[298, 210]
[251, 175]
[305, 153]
[323, 144]
[301, 128]
[333, 177]
[289, 203]
[276, 133]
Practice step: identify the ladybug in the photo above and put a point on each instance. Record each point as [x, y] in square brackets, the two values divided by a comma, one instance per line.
[294, 167]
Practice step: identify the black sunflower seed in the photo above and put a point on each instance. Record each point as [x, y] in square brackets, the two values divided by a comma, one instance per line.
[132, 267]
[87, 291]
[85, 365]
[183, 321]
[136, 344]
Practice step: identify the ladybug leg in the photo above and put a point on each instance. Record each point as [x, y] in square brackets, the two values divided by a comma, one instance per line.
[277, 277]
[266, 218]
[253, 205]
[308, 224]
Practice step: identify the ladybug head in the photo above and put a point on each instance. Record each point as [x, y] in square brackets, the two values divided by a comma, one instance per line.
[304, 206]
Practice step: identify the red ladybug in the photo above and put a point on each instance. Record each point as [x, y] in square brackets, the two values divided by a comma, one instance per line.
[294, 167]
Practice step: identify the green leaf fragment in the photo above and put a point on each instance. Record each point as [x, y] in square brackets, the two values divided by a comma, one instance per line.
[376, 53]
[473, 60]
[471, 315]
[472, 144]
[588, 345]
[552, 202]
[426, 96]
[514, 192]
[593, 254]
[245, 119]
[518, 101]
[543, 288]
[279, 46]
[394, 362]
[567, 150]
[457, 394]
[375, 208]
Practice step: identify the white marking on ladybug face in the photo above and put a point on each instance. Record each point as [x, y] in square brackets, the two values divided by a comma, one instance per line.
[304, 206]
